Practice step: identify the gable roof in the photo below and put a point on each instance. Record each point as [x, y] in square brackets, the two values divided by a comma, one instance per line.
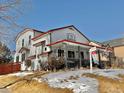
[26, 30]
[56, 29]
[115, 42]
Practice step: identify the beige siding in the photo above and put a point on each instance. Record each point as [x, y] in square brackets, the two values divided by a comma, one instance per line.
[119, 51]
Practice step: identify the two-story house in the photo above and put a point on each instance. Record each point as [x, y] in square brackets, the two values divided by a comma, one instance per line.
[67, 42]
[24, 45]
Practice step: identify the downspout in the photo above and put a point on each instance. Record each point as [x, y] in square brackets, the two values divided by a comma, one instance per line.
[66, 54]
[51, 40]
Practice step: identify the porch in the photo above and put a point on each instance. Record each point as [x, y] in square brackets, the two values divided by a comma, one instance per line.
[75, 55]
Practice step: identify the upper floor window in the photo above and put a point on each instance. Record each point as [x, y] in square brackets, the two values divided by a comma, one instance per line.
[17, 58]
[22, 42]
[70, 36]
[29, 42]
[23, 57]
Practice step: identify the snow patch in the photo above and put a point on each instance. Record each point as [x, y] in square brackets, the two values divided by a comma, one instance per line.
[76, 86]
[110, 73]
[20, 74]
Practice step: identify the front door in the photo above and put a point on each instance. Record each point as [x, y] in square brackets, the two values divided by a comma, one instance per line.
[82, 56]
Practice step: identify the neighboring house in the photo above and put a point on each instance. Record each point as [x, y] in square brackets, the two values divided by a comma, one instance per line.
[67, 42]
[118, 46]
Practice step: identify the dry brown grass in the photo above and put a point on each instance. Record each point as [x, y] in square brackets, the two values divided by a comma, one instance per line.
[26, 84]
[5, 80]
[108, 85]
[36, 87]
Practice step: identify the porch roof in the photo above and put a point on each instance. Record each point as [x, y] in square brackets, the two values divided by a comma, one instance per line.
[78, 43]
[34, 56]
[39, 43]
[31, 57]
[23, 48]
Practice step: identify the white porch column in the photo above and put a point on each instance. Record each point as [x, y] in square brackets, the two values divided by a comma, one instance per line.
[20, 56]
[91, 66]
[15, 57]
[36, 60]
[91, 63]
[65, 54]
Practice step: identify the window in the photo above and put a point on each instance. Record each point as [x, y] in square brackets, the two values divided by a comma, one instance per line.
[41, 48]
[60, 53]
[38, 50]
[70, 36]
[22, 42]
[71, 54]
[17, 59]
[29, 42]
[45, 49]
[23, 57]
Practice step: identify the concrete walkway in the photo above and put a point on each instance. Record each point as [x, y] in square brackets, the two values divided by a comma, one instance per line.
[5, 90]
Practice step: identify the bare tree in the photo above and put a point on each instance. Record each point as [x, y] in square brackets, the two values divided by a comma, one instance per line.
[5, 54]
[10, 11]
[56, 63]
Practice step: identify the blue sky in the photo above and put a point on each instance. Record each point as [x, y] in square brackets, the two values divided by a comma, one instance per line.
[99, 20]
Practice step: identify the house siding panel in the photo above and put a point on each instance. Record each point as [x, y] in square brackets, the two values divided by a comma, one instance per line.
[119, 51]
[62, 34]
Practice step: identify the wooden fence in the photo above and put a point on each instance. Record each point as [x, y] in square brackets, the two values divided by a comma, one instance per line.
[9, 68]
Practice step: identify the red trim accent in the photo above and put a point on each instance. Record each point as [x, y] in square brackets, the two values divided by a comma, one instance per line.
[76, 43]
[94, 52]
[50, 31]
[56, 42]
[68, 41]
[39, 43]
[40, 35]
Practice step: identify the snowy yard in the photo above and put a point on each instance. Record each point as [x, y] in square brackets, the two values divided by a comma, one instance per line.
[75, 81]
[78, 83]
